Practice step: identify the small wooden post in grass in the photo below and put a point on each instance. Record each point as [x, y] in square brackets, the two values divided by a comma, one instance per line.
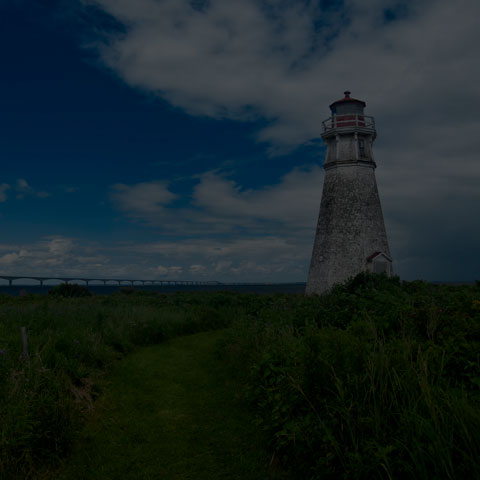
[24, 342]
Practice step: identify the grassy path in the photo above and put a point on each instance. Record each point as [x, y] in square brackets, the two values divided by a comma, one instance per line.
[170, 412]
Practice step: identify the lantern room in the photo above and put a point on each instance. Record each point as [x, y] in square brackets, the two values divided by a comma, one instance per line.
[347, 105]
[347, 115]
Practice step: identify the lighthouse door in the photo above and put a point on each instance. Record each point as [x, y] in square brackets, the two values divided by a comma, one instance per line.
[381, 266]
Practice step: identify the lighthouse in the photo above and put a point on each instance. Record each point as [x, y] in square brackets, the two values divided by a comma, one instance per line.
[351, 235]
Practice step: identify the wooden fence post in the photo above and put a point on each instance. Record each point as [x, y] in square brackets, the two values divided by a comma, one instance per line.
[24, 343]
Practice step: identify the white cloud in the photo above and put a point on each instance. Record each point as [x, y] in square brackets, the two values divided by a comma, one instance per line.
[144, 200]
[3, 188]
[173, 271]
[54, 255]
[59, 246]
[198, 269]
[240, 259]
[220, 205]
[9, 259]
[176, 270]
[42, 194]
[24, 189]
[22, 185]
[161, 270]
[222, 265]
[293, 202]
[230, 57]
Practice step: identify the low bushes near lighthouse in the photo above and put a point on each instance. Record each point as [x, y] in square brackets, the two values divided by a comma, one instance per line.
[377, 379]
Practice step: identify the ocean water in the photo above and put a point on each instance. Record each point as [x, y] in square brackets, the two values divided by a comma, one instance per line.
[298, 288]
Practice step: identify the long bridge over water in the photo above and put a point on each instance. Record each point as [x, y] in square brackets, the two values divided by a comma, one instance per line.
[128, 281]
[107, 281]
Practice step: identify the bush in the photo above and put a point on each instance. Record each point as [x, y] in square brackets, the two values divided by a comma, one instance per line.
[72, 343]
[378, 379]
[69, 290]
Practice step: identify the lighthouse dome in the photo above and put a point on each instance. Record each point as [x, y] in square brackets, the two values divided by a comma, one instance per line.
[347, 105]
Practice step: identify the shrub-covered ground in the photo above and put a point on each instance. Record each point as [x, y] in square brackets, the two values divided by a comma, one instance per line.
[72, 341]
[378, 379]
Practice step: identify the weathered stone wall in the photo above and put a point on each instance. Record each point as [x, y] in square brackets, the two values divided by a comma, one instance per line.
[350, 224]
[346, 148]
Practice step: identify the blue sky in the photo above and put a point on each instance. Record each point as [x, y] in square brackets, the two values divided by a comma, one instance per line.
[177, 139]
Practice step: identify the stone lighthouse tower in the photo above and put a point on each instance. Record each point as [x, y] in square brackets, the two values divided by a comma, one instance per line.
[351, 235]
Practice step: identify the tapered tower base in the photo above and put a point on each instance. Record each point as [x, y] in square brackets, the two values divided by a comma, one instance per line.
[350, 227]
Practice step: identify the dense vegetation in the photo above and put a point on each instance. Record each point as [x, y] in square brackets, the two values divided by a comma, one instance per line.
[72, 341]
[378, 379]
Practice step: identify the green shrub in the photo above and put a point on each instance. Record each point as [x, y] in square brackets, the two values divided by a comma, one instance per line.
[69, 290]
[378, 379]
[72, 341]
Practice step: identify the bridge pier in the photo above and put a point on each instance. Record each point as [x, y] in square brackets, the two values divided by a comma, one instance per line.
[9, 282]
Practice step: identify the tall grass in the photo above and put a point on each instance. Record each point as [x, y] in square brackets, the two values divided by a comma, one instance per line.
[72, 342]
[376, 380]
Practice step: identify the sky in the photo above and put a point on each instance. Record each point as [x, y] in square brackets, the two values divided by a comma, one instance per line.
[180, 139]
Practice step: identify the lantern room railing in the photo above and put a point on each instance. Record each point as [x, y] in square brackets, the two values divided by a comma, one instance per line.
[363, 122]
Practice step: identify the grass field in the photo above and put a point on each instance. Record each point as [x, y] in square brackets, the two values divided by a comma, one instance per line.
[171, 411]
[378, 379]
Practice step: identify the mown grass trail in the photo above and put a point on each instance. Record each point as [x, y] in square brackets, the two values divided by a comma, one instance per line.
[171, 412]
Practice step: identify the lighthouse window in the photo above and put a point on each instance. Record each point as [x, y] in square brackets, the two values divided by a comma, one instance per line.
[361, 147]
